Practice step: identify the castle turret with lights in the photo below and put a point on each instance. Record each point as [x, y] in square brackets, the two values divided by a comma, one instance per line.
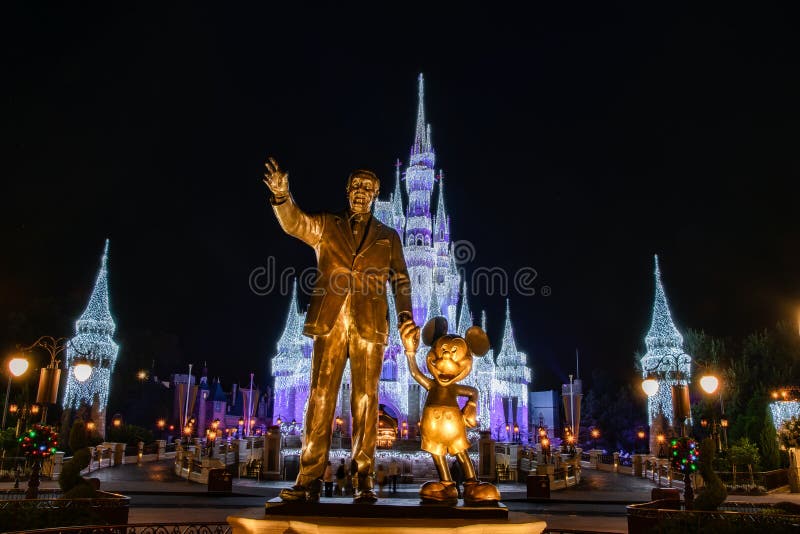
[93, 345]
[665, 361]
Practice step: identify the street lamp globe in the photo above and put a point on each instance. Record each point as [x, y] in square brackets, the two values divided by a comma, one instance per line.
[82, 372]
[17, 366]
[709, 383]
[650, 386]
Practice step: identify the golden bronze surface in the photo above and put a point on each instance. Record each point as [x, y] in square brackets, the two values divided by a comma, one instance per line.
[348, 318]
[444, 424]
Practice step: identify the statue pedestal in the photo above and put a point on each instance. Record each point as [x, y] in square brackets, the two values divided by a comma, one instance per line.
[390, 516]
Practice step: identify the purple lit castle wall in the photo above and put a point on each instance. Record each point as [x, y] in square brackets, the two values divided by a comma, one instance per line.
[437, 289]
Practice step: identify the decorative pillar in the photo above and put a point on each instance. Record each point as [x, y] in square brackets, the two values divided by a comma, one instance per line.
[486, 459]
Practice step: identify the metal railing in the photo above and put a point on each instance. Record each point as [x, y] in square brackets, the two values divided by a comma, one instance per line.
[756, 481]
[141, 528]
[50, 509]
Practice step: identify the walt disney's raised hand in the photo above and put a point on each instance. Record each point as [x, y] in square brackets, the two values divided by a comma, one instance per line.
[276, 179]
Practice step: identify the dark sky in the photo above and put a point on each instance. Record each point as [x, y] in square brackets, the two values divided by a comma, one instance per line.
[575, 141]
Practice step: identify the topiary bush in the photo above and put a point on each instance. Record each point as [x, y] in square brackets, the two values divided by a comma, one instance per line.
[71, 482]
[713, 493]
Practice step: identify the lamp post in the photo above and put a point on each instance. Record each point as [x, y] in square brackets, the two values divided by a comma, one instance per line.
[710, 384]
[50, 376]
[16, 367]
[22, 415]
[595, 434]
[116, 421]
[641, 435]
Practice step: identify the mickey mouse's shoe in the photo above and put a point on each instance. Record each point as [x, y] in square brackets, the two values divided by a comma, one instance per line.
[442, 492]
[477, 493]
[366, 496]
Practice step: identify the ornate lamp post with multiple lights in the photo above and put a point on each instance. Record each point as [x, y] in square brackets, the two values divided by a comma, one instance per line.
[710, 384]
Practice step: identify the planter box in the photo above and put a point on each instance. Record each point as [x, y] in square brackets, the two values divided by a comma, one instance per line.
[669, 515]
[18, 513]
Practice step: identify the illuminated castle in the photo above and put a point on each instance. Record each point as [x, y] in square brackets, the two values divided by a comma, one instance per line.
[665, 359]
[437, 288]
[94, 345]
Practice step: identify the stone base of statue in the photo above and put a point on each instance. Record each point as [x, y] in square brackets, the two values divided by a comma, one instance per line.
[389, 516]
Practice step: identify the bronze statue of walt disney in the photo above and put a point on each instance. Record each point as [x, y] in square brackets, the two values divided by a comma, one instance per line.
[347, 318]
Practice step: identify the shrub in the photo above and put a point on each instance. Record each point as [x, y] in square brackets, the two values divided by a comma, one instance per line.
[71, 482]
[713, 493]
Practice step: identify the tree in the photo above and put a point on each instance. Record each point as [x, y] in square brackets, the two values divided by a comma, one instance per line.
[611, 406]
[744, 453]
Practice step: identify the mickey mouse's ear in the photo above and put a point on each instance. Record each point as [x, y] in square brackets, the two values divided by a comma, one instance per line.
[477, 340]
[433, 330]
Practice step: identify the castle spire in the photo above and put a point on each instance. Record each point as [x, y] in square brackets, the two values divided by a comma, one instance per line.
[289, 335]
[434, 308]
[440, 226]
[508, 349]
[421, 140]
[663, 332]
[97, 315]
[397, 200]
[464, 316]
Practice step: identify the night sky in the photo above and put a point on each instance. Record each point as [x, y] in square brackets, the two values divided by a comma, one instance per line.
[577, 142]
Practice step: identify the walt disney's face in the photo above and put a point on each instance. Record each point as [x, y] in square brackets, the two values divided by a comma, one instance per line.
[449, 360]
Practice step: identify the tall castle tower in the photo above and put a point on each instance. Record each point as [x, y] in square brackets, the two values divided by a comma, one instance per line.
[665, 359]
[419, 252]
[93, 344]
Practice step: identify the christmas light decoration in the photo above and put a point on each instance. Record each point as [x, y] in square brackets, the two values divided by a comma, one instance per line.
[782, 411]
[39, 442]
[381, 455]
[93, 345]
[436, 287]
[665, 360]
[684, 454]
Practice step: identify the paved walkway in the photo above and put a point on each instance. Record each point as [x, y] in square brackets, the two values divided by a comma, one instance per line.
[158, 478]
[157, 495]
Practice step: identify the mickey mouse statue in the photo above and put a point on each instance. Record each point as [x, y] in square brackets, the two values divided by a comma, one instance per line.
[444, 424]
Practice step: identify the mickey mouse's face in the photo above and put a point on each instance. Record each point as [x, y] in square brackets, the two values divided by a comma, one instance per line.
[449, 360]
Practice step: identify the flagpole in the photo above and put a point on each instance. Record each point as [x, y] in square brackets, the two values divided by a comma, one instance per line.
[186, 407]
